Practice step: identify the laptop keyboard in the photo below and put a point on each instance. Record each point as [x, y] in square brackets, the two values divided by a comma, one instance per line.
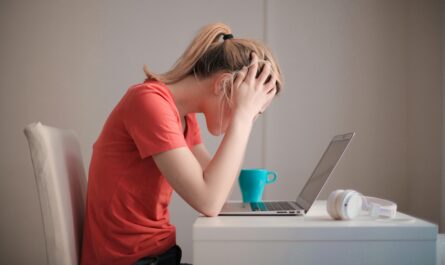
[271, 206]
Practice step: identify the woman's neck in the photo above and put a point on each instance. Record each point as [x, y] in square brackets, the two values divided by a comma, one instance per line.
[189, 94]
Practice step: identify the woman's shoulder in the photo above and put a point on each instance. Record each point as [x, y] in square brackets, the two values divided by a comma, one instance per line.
[152, 86]
[150, 100]
[153, 90]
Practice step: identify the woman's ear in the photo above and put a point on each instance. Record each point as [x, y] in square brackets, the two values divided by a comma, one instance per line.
[220, 82]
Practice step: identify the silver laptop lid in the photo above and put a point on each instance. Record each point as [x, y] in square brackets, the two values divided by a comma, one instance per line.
[323, 170]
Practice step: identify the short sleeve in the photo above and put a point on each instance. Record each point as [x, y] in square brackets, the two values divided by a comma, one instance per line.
[152, 123]
[195, 130]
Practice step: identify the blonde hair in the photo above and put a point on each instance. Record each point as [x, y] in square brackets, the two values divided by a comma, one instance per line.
[208, 54]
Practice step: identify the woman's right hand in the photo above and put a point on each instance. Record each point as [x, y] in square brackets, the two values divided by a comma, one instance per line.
[251, 94]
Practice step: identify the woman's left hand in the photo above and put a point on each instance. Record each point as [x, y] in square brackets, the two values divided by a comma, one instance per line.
[252, 95]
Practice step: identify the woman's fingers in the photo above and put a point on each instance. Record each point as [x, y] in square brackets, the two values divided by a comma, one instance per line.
[271, 84]
[254, 94]
[253, 68]
[271, 93]
[240, 77]
[264, 73]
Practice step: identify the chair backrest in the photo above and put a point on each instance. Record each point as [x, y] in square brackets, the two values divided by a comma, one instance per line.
[61, 185]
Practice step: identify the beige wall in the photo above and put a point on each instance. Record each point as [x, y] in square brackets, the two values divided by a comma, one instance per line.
[424, 109]
[368, 66]
[372, 67]
[51, 70]
[345, 65]
[442, 224]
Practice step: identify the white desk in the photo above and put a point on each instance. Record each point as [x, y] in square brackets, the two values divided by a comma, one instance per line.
[313, 239]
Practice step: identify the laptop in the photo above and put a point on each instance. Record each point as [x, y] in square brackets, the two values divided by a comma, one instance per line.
[308, 194]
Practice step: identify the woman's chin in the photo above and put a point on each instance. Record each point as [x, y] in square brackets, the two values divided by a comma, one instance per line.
[215, 132]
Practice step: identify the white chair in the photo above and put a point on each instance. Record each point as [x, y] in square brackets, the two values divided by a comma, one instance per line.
[61, 185]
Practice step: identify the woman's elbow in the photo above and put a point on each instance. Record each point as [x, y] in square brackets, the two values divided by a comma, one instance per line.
[211, 210]
[210, 213]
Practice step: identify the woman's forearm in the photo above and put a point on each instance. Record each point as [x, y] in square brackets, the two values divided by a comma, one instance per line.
[223, 169]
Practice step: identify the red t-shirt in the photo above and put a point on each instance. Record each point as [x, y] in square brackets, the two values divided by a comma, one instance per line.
[126, 214]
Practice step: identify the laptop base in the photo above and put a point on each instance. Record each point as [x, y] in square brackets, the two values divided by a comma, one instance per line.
[245, 209]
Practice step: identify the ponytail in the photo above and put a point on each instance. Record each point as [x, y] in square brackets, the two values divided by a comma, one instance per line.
[208, 54]
[207, 36]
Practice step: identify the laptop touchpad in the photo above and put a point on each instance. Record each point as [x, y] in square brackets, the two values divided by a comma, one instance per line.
[236, 207]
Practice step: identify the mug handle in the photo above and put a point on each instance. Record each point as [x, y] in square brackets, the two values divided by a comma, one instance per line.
[275, 175]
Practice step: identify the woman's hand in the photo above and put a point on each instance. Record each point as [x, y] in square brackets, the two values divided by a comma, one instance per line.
[251, 94]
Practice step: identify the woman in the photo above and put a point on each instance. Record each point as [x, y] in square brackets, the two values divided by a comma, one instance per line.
[150, 145]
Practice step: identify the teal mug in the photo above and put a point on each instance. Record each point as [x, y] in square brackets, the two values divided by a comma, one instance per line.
[253, 181]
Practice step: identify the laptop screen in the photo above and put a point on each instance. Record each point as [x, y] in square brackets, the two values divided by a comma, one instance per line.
[323, 170]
